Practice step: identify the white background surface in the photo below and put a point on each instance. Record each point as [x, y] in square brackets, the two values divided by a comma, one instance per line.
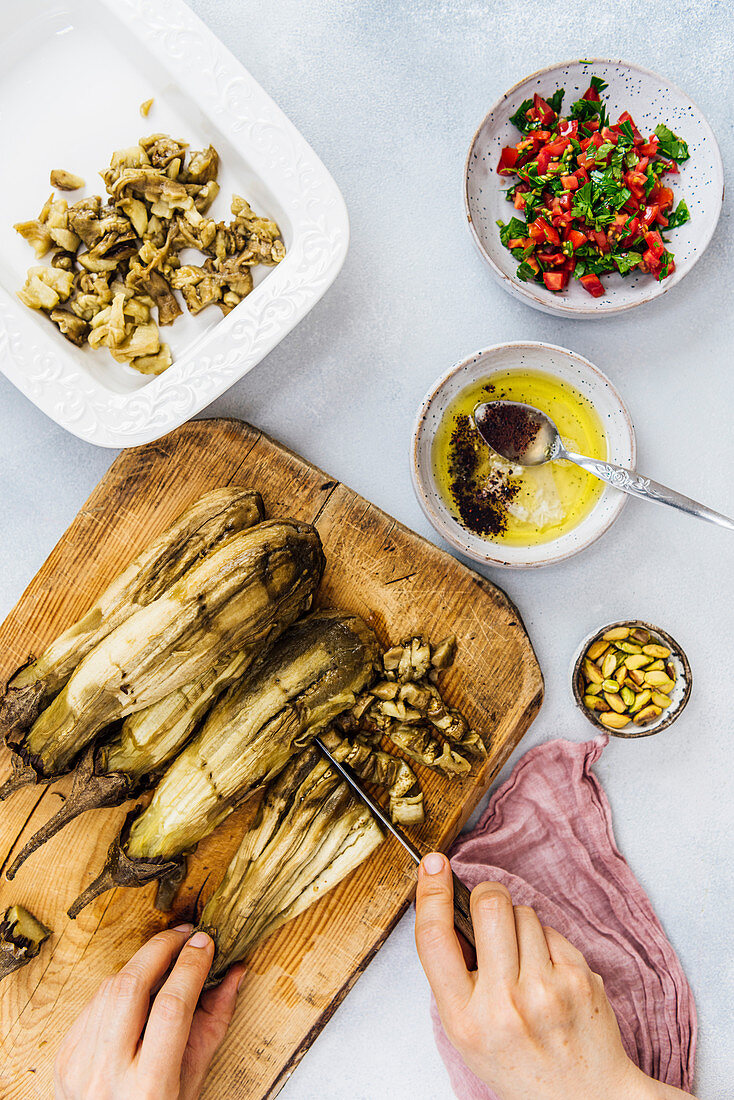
[389, 94]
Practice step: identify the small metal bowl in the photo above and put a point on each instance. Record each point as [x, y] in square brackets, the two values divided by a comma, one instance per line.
[679, 695]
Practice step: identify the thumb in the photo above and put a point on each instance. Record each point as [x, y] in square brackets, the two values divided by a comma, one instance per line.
[208, 1028]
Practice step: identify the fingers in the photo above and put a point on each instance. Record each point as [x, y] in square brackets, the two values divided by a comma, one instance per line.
[562, 953]
[124, 999]
[435, 938]
[494, 933]
[534, 954]
[169, 1023]
[211, 1021]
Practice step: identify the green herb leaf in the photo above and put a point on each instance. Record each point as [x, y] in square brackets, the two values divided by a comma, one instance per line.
[554, 101]
[514, 228]
[598, 83]
[626, 129]
[626, 261]
[670, 145]
[520, 119]
[679, 216]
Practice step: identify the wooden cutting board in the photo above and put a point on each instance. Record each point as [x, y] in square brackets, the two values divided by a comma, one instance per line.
[400, 584]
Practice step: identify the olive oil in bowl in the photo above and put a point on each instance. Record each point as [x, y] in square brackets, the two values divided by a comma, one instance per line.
[511, 504]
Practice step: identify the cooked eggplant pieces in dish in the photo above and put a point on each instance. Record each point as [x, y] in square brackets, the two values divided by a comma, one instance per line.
[243, 594]
[314, 672]
[114, 263]
[21, 938]
[311, 831]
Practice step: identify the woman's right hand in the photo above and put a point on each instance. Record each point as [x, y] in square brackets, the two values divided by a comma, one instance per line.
[532, 1020]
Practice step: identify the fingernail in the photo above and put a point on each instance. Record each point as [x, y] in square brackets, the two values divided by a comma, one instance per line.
[199, 939]
[188, 927]
[433, 863]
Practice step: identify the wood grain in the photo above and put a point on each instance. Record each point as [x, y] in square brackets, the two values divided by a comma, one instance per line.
[400, 584]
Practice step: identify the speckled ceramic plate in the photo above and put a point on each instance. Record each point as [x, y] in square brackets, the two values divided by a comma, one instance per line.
[56, 56]
[650, 99]
[568, 367]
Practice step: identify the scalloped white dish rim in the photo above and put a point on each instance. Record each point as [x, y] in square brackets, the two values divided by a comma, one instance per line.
[591, 528]
[199, 68]
[595, 308]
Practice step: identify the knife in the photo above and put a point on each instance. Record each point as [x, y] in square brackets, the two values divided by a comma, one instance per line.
[462, 912]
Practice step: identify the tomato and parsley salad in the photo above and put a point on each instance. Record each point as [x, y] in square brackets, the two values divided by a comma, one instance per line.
[591, 193]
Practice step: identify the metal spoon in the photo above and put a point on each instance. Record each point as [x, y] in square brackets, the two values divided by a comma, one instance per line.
[544, 445]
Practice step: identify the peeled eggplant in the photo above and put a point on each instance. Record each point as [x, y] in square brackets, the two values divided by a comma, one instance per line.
[21, 938]
[240, 596]
[132, 760]
[310, 833]
[313, 673]
[211, 520]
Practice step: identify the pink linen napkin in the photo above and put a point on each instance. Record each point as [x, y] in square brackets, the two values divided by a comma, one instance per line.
[547, 835]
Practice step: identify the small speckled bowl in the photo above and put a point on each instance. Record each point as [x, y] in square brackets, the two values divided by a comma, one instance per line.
[650, 100]
[679, 695]
[567, 367]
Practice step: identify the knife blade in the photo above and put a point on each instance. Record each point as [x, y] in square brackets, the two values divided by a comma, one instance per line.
[462, 911]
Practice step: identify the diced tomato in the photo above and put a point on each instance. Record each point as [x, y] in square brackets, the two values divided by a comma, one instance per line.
[577, 238]
[601, 239]
[517, 242]
[555, 280]
[610, 135]
[650, 213]
[543, 160]
[582, 175]
[650, 147]
[671, 166]
[664, 196]
[543, 111]
[651, 261]
[557, 147]
[568, 127]
[519, 200]
[508, 160]
[570, 183]
[654, 243]
[532, 262]
[585, 143]
[541, 230]
[592, 284]
[592, 94]
[592, 124]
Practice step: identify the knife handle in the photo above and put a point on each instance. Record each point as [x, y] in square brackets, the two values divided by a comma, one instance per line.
[462, 911]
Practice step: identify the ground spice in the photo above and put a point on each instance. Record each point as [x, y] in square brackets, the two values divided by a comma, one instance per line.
[511, 429]
[482, 505]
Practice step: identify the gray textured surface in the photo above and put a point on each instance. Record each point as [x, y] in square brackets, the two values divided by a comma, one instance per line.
[389, 95]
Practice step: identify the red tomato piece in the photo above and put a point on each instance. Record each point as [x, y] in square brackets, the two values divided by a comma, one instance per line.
[577, 238]
[568, 127]
[543, 160]
[543, 111]
[650, 213]
[508, 160]
[541, 230]
[627, 117]
[592, 284]
[555, 280]
[570, 183]
[654, 242]
[519, 200]
[592, 94]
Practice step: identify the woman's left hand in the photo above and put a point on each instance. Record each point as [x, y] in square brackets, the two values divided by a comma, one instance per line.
[148, 1033]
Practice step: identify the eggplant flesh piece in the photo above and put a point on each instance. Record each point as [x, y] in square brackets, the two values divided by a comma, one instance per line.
[313, 673]
[311, 832]
[129, 763]
[240, 596]
[21, 938]
[212, 519]
[384, 770]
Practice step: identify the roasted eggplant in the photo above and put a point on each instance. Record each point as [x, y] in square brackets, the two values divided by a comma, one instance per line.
[312, 674]
[242, 595]
[311, 831]
[215, 517]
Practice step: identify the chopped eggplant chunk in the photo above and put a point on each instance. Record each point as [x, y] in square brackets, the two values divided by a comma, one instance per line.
[21, 938]
[159, 195]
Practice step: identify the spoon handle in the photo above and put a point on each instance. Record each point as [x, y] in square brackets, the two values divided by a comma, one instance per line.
[637, 486]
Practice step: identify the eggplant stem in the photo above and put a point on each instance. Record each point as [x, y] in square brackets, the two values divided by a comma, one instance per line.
[24, 775]
[121, 870]
[89, 791]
